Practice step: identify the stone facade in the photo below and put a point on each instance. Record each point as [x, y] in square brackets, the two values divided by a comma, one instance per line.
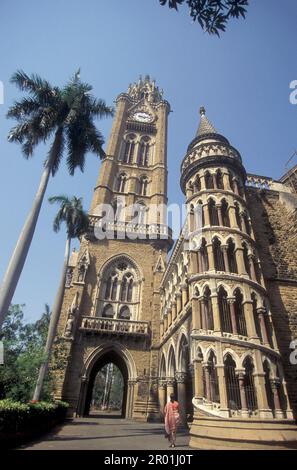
[212, 323]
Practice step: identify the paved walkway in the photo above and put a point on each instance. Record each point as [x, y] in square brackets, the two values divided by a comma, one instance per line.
[107, 433]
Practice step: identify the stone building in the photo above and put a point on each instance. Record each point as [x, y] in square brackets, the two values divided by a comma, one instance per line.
[213, 321]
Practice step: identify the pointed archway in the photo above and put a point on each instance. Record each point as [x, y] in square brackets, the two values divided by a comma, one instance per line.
[108, 354]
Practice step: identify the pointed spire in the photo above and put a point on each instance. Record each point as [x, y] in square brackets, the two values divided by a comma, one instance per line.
[205, 126]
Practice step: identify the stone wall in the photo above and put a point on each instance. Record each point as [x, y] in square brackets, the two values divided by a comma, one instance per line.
[275, 225]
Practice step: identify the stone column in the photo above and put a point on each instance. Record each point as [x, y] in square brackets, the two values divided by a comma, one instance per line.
[235, 186]
[226, 182]
[207, 380]
[214, 181]
[200, 262]
[260, 390]
[244, 408]
[232, 217]
[225, 255]
[261, 314]
[203, 313]
[193, 262]
[210, 257]
[180, 378]
[198, 373]
[174, 310]
[202, 181]
[216, 313]
[169, 316]
[162, 328]
[178, 302]
[252, 267]
[240, 261]
[275, 385]
[165, 323]
[184, 295]
[231, 301]
[220, 217]
[249, 319]
[82, 396]
[196, 321]
[170, 387]
[206, 215]
[162, 395]
[222, 389]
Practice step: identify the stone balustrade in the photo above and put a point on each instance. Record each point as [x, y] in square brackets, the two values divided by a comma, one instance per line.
[114, 326]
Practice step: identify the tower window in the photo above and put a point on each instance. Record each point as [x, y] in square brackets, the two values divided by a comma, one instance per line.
[143, 186]
[144, 152]
[121, 183]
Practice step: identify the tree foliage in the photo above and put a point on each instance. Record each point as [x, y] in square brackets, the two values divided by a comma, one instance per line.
[212, 15]
[23, 354]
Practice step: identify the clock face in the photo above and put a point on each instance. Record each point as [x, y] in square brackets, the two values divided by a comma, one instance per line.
[142, 117]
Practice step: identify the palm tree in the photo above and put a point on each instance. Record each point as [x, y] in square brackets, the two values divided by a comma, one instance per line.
[67, 114]
[77, 222]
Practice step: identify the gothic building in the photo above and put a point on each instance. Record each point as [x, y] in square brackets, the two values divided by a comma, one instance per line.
[212, 321]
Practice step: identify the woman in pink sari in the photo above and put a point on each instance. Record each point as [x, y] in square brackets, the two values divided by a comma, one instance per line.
[171, 412]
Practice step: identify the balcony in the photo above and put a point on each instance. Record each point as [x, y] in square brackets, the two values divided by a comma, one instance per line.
[114, 327]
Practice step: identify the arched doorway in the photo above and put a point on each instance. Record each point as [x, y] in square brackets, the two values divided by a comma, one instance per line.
[108, 391]
[105, 353]
[184, 381]
[106, 360]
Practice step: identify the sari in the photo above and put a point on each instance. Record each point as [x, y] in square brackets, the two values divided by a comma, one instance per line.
[171, 417]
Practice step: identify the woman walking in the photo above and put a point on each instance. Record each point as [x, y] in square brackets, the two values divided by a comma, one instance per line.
[171, 413]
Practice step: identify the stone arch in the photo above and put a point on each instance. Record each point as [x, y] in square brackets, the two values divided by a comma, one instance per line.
[171, 362]
[183, 358]
[233, 354]
[105, 353]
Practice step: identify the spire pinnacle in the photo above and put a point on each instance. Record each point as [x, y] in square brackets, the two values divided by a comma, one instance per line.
[205, 126]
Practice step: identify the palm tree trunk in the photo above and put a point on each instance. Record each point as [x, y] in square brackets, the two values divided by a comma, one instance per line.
[19, 255]
[53, 324]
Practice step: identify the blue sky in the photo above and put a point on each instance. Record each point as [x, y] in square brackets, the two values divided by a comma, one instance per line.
[242, 79]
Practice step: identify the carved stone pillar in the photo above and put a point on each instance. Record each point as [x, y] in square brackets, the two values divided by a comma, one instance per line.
[225, 255]
[181, 378]
[214, 181]
[198, 373]
[252, 267]
[216, 313]
[203, 313]
[275, 386]
[222, 389]
[201, 268]
[169, 315]
[261, 311]
[210, 257]
[249, 319]
[207, 380]
[184, 295]
[232, 217]
[202, 182]
[162, 328]
[170, 387]
[165, 323]
[178, 302]
[193, 262]
[226, 182]
[220, 217]
[231, 301]
[235, 186]
[162, 395]
[82, 396]
[174, 310]
[240, 261]
[196, 321]
[206, 215]
[244, 408]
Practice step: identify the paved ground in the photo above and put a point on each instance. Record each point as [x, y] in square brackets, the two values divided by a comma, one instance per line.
[107, 433]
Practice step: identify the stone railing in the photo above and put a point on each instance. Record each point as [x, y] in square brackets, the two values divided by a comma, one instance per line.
[151, 231]
[257, 181]
[114, 326]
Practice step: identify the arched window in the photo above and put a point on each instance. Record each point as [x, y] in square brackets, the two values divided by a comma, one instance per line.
[232, 383]
[108, 311]
[213, 213]
[239, 313]
[237, 216]
[246, 259]
[218, 255]
[126, 288]
[121, 183]
[203, 257]
[249, 387]
[213, 376]
[268, 388]
[208, 314]
[111, 287]
[125, 313]
[144, 152]
[129, 149]
[208, 180]
[256, 316]
[197, 184]
[224, 310]
[225, 213]
[143, 186]
[219, 180]
[231, 256]
[117, 210]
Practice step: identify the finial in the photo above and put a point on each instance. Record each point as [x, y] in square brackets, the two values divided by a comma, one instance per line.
[202, 111]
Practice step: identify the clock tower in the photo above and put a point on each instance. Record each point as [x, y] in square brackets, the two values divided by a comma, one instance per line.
[111, 308]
